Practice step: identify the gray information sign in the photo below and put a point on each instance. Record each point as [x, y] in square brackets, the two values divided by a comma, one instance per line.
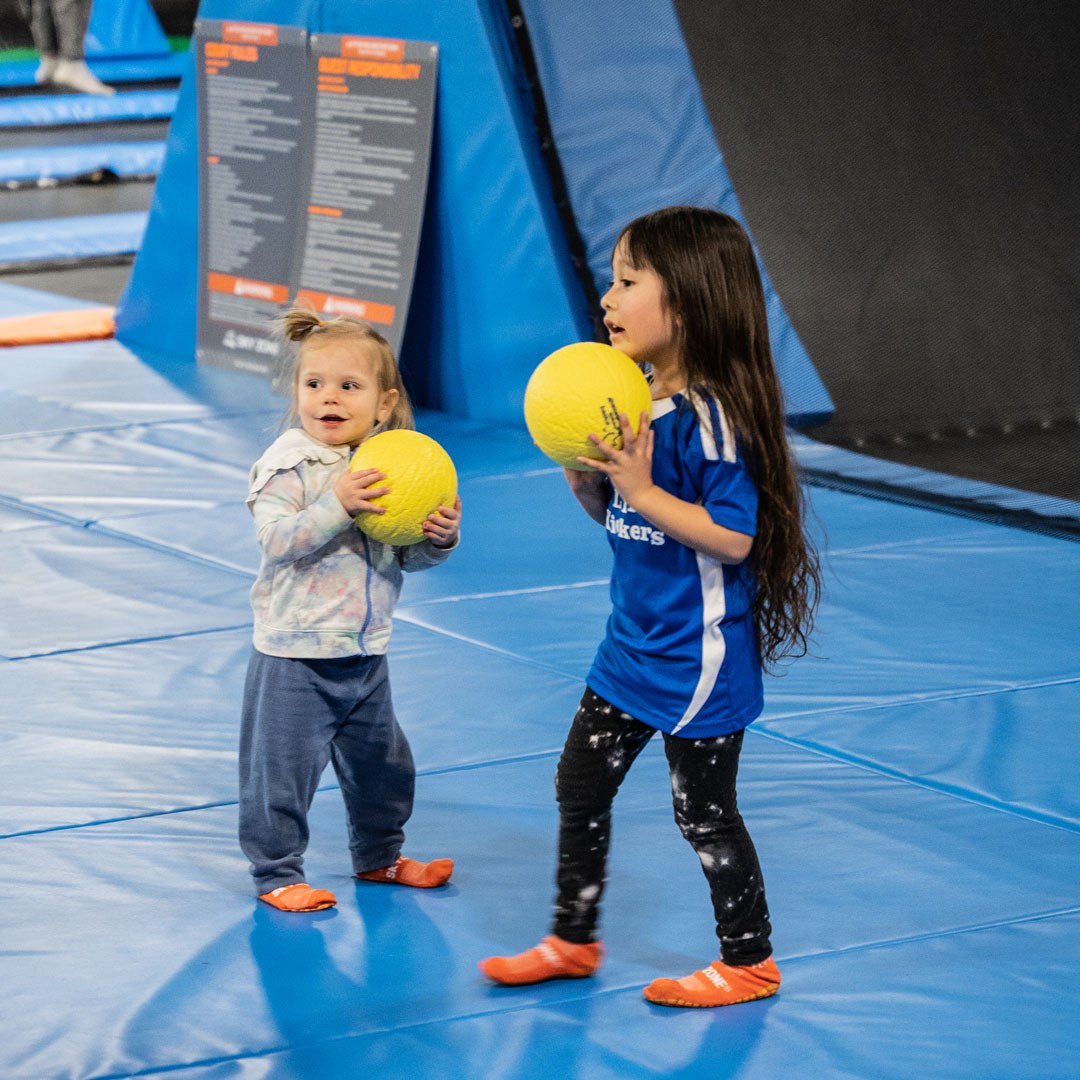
[314, 154]
[375, 101]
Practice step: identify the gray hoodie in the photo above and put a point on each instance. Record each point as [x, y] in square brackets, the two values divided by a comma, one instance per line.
[324, 588]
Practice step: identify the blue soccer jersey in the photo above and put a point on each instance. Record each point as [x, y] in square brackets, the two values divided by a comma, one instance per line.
[680, 651]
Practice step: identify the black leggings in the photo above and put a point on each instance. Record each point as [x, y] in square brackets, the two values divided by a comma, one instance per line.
[602, 745]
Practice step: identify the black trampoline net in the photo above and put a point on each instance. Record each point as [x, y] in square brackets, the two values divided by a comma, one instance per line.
[908, 175]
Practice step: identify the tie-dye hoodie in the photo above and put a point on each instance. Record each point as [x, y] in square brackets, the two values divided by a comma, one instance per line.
[324, 589]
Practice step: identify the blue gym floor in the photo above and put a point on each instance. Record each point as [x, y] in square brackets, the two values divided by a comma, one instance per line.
[912, 787]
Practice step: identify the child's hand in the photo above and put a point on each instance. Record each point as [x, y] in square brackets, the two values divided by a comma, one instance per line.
[584, 484]
[442, 525]
[591, 490]
[355, 490]
[628, 469]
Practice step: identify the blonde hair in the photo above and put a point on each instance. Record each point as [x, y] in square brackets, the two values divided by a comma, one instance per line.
[301, 326]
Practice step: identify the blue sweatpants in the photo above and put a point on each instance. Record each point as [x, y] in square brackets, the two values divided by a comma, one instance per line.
[299, 714]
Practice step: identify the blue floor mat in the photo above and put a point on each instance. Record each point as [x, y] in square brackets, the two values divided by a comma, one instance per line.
[910, 788]
[126, 69]
[56, 110]
[40, 164]
[92, 236]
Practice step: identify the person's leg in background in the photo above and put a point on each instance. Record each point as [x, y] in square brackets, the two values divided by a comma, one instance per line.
[58, 28]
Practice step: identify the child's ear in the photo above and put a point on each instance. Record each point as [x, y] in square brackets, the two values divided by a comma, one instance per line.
[386, 406]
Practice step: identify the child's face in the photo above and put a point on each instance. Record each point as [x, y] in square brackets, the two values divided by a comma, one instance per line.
[337, 393]
[637, 322]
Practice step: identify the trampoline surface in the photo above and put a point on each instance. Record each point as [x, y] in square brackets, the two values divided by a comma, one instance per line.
[910, 787]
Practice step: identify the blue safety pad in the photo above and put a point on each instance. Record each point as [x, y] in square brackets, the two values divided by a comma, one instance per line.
[165, 68]
[86, 237]
[43, 163]
[910, 788]
[478, 273]
[213, 987]
[56, 110]
[633, 135]
[834, 465]
[125, 28]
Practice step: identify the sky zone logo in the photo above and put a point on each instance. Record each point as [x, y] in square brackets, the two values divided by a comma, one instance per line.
[249, 343]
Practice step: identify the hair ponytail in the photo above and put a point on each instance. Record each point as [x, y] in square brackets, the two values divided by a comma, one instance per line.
[299, 323]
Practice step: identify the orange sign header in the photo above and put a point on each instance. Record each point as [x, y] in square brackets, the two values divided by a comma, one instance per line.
[250, 33]
[237, 286]
[219, 50]
[370, 69]
[369, 48]
[328, 304]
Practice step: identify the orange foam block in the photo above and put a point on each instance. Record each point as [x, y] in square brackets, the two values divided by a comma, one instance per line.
[82, 324]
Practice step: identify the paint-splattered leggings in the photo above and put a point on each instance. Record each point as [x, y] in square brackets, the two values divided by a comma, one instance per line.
[602, 745]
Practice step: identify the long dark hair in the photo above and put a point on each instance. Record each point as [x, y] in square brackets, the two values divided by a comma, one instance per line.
[712, 290]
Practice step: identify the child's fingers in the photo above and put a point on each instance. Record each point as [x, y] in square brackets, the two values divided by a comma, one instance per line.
[602, 464]
[439, 531]
[644, 431]
[603, 446]
[367, 485]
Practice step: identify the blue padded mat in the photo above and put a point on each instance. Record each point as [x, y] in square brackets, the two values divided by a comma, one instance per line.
[55, 110]
[87, 236]
[128, 69]
[911, 786]
[44, 163]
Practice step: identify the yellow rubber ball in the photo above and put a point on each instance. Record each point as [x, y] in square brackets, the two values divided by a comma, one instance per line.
[580, 389]
[421, 478]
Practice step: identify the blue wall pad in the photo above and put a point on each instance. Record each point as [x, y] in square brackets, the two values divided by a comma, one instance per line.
[132, 69]
[831, 465]
[50, 239]
[125, 28]
[475, 362]
[56, 110]
[125, 159]
[495, 290]
[632, 135]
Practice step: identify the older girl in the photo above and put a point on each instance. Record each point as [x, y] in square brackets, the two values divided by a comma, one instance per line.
[725, 584]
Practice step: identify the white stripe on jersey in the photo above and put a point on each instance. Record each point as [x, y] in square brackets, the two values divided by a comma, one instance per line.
[711, 573]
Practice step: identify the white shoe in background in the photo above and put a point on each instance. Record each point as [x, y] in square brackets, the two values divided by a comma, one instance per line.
[76, 75]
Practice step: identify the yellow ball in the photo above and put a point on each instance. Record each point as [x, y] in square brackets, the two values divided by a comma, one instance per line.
[581, 389]
[421, 478]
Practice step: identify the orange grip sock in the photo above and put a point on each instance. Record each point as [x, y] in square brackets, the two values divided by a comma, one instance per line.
[299, 897]
[420, 875]
[718, 984]
[553, 958]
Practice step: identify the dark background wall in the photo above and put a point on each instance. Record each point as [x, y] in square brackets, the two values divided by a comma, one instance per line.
[176, 18]
[909, 173]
